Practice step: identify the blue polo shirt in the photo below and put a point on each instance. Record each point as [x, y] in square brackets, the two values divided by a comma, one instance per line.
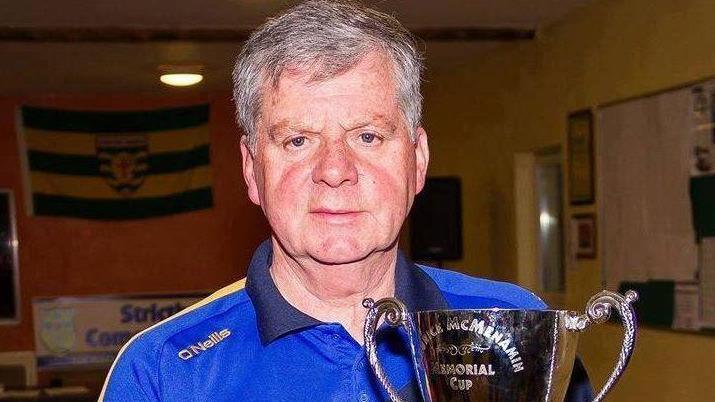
[247, 343]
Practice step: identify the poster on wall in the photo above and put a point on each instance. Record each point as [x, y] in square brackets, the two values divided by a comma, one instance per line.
[90, 331]
[686, 299]
[9, 283]
[703, 148]
[583, 233]
[580, 157]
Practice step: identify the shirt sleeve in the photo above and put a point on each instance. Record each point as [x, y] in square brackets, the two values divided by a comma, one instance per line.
[580, 389]
[133, 377]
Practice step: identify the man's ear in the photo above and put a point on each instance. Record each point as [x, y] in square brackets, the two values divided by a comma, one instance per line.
[249, 172]
[421, 158]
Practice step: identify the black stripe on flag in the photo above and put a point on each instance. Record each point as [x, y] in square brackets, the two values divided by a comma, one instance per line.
[115, 121]
[52, 205]
[81, 165]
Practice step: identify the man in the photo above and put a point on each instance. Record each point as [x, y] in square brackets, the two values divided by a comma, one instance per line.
[329, 98]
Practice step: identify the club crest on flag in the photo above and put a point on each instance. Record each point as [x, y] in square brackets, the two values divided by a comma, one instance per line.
[123, 161]
[57, 330]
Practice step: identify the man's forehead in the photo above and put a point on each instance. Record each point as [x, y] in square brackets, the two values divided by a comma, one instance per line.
[363, 95]
[376, 62]
[370, 69]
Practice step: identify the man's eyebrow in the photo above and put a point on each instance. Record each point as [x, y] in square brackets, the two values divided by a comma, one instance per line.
[379, 120]
[281, 126]
[273, 129]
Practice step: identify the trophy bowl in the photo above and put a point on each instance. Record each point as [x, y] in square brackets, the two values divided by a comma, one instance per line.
[497, 355]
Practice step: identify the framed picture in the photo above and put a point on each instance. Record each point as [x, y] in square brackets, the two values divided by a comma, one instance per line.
[583, 235]
[580, 157]
[9, 284]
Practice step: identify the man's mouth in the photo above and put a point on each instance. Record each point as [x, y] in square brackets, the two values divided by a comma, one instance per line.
[335, 215]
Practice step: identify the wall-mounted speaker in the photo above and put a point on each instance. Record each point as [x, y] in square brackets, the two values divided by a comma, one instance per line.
[436, 221]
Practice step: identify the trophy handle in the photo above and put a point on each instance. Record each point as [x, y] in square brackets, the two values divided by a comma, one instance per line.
[395, 315]
[598, 310]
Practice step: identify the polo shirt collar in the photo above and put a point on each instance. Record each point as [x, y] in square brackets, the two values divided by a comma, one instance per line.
[415, 288]
[276, 317]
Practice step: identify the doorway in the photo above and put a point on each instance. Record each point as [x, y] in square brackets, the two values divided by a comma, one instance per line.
[538, 192]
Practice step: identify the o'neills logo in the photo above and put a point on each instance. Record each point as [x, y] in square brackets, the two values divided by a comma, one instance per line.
[197, 348]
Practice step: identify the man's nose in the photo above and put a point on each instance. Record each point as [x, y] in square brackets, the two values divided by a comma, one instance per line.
[335, 165]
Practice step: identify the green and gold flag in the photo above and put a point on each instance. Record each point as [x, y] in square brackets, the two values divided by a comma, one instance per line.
[117, 164]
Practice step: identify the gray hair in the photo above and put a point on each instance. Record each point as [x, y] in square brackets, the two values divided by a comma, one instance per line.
[328, 38]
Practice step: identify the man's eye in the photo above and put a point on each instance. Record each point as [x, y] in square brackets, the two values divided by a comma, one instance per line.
[368, 138]
[297, 141]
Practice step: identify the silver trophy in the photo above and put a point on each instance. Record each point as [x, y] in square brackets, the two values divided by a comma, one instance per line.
[497, 355]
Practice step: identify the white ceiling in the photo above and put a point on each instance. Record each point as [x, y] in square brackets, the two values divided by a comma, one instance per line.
[32, 67]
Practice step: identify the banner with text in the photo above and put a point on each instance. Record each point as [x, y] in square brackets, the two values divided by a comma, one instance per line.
[80, 331]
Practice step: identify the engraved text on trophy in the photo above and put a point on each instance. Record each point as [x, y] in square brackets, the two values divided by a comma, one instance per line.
[475, 337]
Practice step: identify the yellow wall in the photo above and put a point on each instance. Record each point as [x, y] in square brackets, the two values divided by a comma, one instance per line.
[490, 105]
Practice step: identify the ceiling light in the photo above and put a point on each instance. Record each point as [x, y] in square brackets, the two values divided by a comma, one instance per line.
[181, 79]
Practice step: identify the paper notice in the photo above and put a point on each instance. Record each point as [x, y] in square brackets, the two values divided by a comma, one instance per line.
[687, 306]
[707, 282]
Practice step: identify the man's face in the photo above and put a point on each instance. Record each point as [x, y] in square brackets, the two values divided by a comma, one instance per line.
[334, 169]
